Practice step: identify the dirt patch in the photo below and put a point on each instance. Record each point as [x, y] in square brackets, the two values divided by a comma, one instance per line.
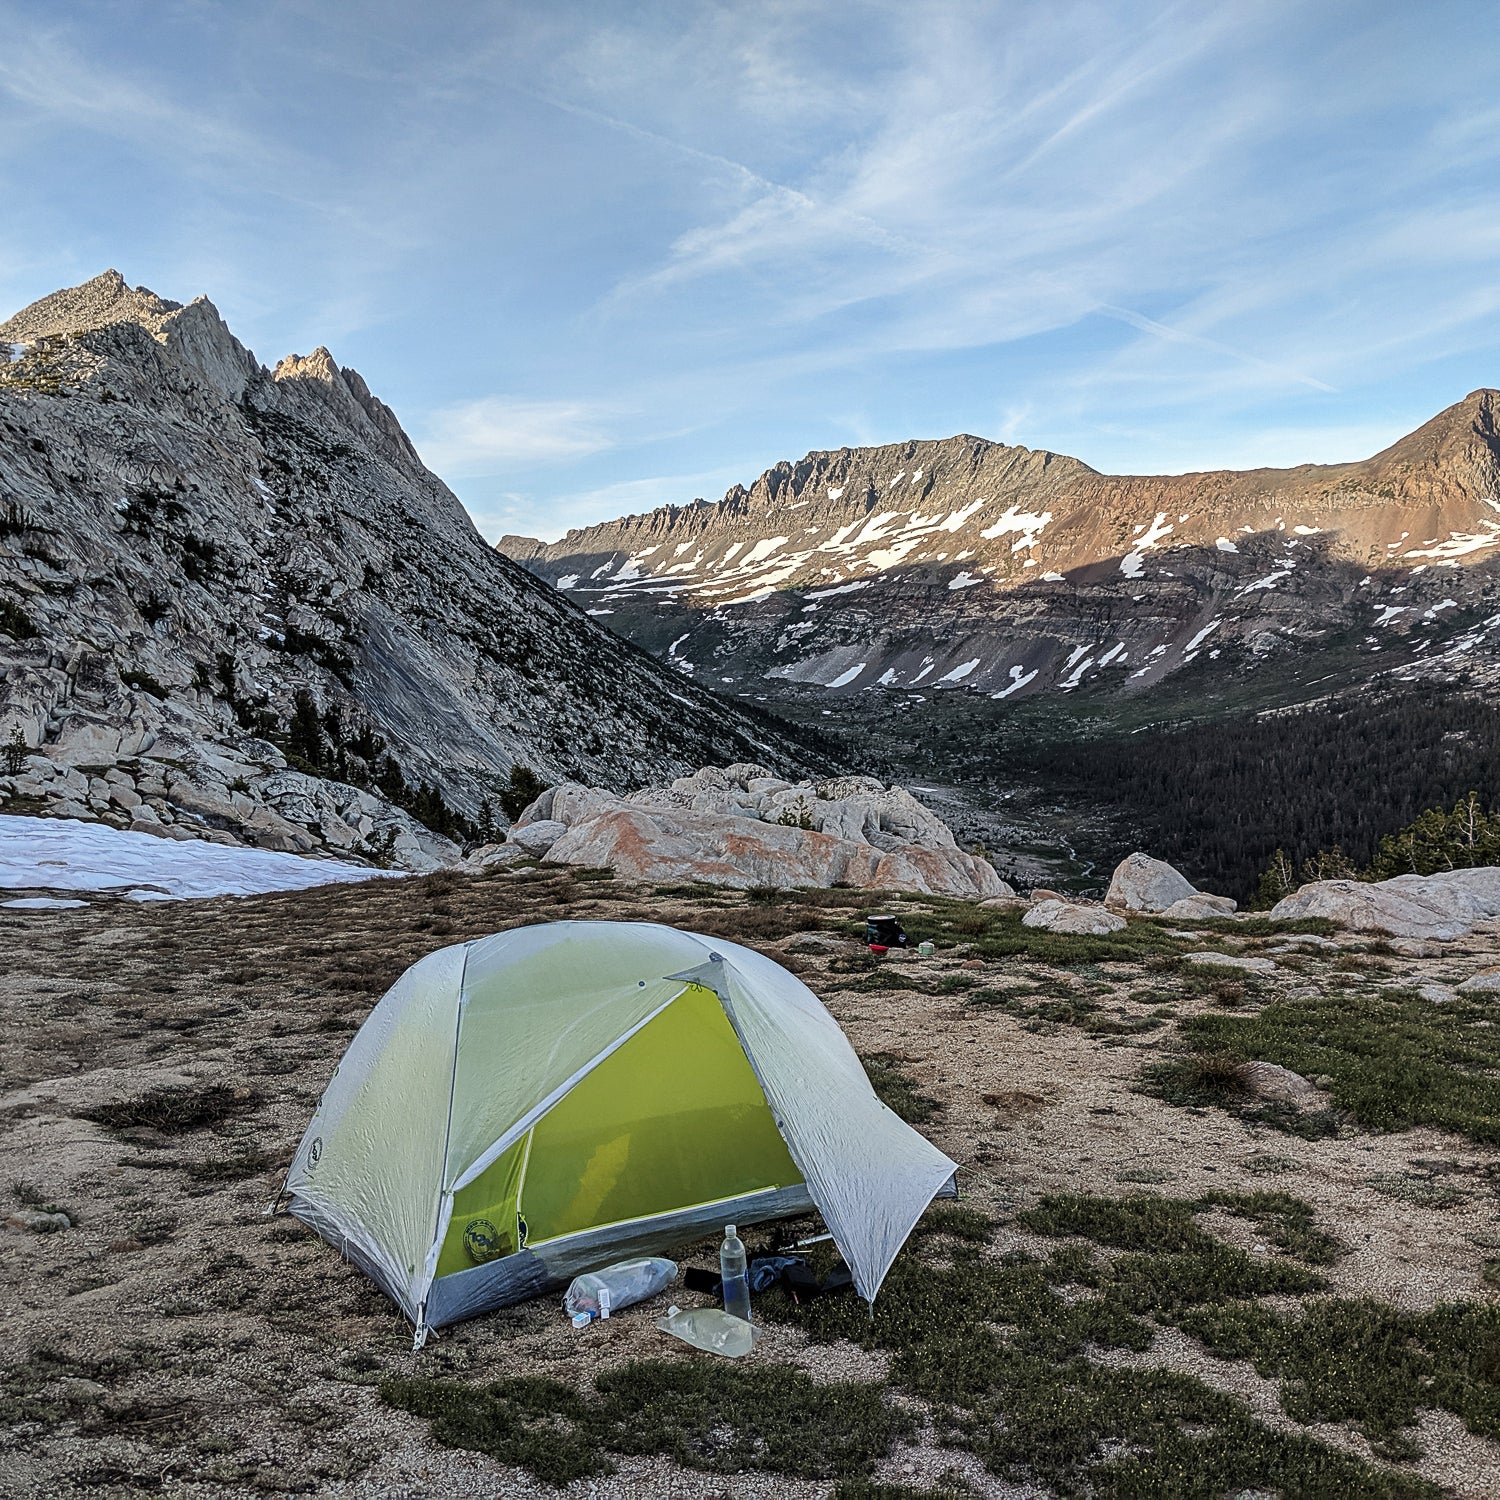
[161, 1061]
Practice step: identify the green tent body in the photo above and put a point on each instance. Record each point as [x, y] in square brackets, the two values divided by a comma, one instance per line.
[528, 1106]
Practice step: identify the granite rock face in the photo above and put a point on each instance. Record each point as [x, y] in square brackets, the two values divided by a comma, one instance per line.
[742, 826]
[188, 541]
[1437, 907]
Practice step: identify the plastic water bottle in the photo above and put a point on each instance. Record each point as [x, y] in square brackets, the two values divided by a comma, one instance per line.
[736, 1275]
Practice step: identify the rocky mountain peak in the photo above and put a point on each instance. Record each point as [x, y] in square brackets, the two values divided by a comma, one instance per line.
[319, 365]
[107, 299]
[239, 600]
[1465, 434]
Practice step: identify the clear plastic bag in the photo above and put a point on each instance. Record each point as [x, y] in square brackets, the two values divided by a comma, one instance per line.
[711, 1329]
[600, 1293]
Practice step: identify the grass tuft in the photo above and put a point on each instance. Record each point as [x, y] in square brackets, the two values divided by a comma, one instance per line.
[174, 1110]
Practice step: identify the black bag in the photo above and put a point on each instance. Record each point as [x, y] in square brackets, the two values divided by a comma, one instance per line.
[884, 932]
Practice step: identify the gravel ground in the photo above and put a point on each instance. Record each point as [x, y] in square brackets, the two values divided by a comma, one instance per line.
[219, 1352]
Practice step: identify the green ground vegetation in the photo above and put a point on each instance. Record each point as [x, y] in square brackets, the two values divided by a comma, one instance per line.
[1001, 1349]
[1390, 1059]
[701, 1413]
[896, 1089]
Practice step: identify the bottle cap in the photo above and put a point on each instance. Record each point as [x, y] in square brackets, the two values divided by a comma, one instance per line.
[729, 1232]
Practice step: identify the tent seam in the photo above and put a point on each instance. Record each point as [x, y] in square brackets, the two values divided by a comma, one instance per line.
[458, 1022]
[534, 1116]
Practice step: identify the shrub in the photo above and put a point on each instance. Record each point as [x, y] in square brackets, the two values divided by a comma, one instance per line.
[14, 621]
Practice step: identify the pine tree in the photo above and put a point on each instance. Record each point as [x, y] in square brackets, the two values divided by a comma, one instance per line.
[16, 751]
[304, 741]
[1278, 880]
[525, 787]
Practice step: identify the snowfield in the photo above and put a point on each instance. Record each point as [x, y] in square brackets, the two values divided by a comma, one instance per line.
[62, 854]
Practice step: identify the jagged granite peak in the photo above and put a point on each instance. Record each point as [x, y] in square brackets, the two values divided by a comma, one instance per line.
[188, 541]
[961, 562]
[107, 298]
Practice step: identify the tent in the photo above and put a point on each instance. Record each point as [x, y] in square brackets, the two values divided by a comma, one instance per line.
[527, 1106]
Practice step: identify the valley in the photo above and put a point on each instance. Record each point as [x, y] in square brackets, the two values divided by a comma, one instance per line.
[1019, 627]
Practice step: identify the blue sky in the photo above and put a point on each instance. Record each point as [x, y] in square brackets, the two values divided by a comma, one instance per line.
[605, 257]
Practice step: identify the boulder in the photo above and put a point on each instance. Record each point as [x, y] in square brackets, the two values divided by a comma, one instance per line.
[1431, 907]
[1307, 940]
[1199, 905]
[1486, 982]
[1081, 921]
[653, 844]
[1141, 883]
[1411, 948]
[537, 838]
[38, 1221]
[1232, 961]
[495, 856]
[1278, 1085]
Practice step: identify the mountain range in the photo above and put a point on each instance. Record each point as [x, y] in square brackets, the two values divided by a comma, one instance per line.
[963, 563]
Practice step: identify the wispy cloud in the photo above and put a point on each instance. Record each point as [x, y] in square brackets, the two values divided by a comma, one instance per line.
[496, 433]
[675, 235]
[548, 518]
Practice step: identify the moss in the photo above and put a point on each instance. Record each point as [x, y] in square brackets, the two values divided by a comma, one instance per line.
[1139, 1221]
[1174, 1436]
[1286, 1221]
[1360, 1361]
[956, 1221]
[533, 1423]
[999, 1350]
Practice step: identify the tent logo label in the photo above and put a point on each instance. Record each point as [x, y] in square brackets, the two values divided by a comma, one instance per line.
[315, 1151]
[483, 1241]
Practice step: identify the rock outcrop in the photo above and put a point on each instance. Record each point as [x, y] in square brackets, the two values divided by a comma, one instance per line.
[744, 827]
[1245, 962]
[244, 795]
[1438, 907]
[202, 560]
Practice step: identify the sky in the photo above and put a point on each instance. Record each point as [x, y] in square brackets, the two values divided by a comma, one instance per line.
[600, 258]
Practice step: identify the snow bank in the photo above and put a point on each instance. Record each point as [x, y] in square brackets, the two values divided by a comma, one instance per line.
[66, 855]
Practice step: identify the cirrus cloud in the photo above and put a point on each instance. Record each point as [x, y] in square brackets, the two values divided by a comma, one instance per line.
[496, 433]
